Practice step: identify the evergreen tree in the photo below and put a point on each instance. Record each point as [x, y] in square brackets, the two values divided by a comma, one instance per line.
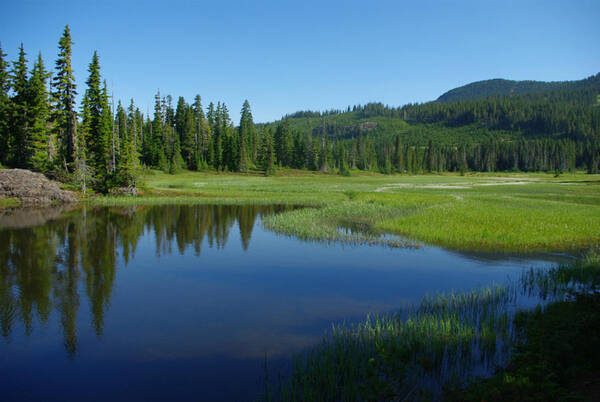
[97, 132]
[83, 171]
[185, 126]
[266, 154]
[211, 157]
[247, 133]
[399, 156]
[192, 155]
[133, 126]
[38, 156]
[229, 145]
[106, 164]
[283, 143]
[324, 156]
[202, 136]
[158, 158]
[19, 123]
[63, 99]
[430, 162]
[128, 163]
[5, 109]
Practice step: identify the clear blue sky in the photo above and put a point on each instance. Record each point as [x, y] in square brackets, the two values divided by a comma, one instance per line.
[288, 56]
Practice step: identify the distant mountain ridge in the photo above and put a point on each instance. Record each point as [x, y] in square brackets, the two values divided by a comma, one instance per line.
[502, 87]
[497, 109]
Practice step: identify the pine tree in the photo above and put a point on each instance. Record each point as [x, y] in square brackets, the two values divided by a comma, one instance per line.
[185, 126]
[216, 116]
[283, 143]
[430, 157]
[121, 134]
[96, 127]
[105, 165]
[83, 171]
[37, 152]
[202, 134]
[247, 132]
[399, 157]
[191, 139]
[324, 156]
[19, 123]
[158, 158]
[387, 163]
[229, 145]
[128, 168]
[211, 116]
[133, 126]
[4, 109]
[462, 159]
[266, 153]
[63, 99]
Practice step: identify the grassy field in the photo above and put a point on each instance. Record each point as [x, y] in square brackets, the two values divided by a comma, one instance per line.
[501, 212]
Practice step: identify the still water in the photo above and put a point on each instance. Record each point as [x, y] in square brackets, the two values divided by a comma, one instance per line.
[185, 302]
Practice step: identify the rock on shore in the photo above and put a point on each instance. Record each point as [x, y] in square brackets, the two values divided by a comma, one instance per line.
[32, 188]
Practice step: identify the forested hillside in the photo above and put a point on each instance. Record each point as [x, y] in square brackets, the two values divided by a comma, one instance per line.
[501, 87]
[514, 132]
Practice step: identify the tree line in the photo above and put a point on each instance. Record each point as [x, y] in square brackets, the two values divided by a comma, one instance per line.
[102, 146]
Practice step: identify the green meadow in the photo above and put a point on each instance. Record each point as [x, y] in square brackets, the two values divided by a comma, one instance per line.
[494, 212]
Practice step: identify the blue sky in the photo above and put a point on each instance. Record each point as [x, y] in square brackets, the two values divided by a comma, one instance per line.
[288, 56]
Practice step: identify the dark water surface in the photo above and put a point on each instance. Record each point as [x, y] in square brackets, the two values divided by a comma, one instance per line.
[184, 302]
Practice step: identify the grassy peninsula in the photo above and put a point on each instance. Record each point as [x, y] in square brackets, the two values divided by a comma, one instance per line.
[520, 212]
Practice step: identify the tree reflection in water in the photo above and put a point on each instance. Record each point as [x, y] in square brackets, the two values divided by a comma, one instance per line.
[47, 256]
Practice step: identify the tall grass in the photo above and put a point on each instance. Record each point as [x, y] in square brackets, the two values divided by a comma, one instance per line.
[414, 353]
[353, 221]
[407, 354]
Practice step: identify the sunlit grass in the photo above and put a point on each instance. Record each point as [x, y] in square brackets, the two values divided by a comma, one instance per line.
[522, 212]
[503, 223]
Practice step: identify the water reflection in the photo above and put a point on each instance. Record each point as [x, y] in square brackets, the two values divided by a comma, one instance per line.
[53, 258]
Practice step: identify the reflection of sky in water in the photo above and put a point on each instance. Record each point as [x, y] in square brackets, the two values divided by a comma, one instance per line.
[183, 325]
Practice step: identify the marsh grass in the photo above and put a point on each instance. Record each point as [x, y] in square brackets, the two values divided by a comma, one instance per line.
[407, 354]
[557, 353]
[502, 224]
[353, 221]
[418, 351]
[472, 212]
[562, 282]
[9, 202]
[334, 224]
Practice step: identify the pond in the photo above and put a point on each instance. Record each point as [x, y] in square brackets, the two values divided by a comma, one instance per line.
[188, 302]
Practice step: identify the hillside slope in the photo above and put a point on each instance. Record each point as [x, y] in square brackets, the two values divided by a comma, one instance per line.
[502, 87]
[498, 109]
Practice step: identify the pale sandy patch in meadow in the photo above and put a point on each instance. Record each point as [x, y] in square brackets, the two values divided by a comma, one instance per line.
[498, 181]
